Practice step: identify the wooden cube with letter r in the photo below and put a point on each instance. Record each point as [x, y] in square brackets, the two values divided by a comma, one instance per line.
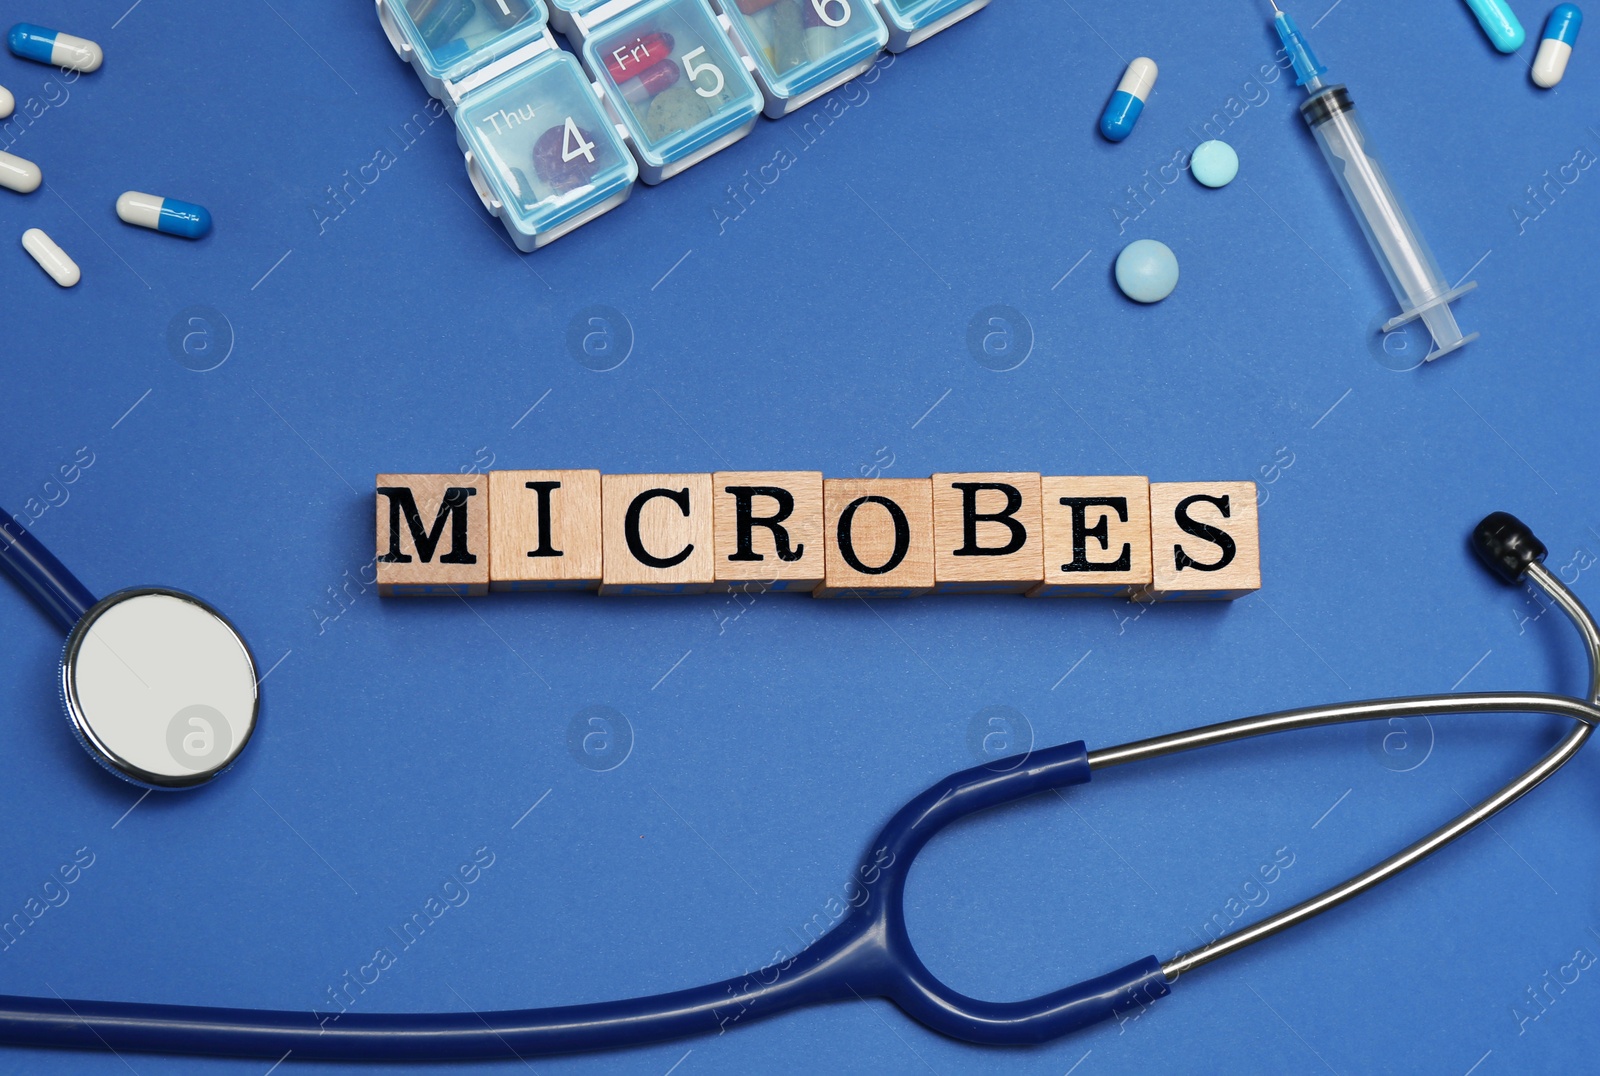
[433, 534]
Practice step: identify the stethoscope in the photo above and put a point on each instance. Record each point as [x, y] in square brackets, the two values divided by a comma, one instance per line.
[868, 954]
[160, 689]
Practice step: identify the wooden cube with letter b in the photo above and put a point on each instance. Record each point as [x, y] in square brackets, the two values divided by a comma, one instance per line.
[1205, 540]
[1096, 537]
[879, 537]
[657, 534]
[544, 532]
[768, 528]
[987, 531]
[433, 534]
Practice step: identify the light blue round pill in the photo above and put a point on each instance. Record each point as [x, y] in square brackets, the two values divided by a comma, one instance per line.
[1147, 271]
[1214, 163]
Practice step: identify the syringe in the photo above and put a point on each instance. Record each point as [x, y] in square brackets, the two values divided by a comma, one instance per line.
[1413, 274]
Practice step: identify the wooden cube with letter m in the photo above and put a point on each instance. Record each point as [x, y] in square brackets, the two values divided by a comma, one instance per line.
[433, 534]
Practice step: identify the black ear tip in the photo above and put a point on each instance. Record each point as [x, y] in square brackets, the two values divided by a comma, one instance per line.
[1506, 546]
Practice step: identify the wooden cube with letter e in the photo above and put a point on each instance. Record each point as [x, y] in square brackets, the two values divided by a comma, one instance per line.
[544, 532]
[768, 530]
[988, 533]
[879, 537]
[1096, 537]
[657, 534]
[1205, 539]
[433, 534]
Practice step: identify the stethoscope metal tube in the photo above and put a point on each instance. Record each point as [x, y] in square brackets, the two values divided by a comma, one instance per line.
[869, 953]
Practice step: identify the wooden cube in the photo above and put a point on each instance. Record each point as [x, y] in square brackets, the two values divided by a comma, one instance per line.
[657, 534]
[544, 531]
[1205, 540]
[433, 534]
[987, 533]
[878, 537]
[1096, 537]
[768, 530]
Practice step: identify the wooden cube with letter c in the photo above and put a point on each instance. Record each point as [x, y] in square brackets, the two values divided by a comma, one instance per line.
[1205, 540]
[1096, 537]
[544, 532]
[987, 531]
[768, 528]
[657, 534]
[878, 534]
[433, 534]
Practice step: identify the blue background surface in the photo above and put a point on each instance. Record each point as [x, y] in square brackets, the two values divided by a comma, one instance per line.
[825, 326]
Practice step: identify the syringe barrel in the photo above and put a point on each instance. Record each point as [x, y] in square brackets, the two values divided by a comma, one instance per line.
[1406, 260]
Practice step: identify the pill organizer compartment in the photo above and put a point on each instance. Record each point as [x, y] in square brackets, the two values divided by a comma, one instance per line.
[799, 50]
[562, 17]
[541, 154]
[912, 22]
[672, 79]
[445, 40]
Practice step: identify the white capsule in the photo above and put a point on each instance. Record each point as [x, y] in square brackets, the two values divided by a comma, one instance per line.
[51, 258]
[19, 175]
[76, 54]
[7, 102]
[143, 210]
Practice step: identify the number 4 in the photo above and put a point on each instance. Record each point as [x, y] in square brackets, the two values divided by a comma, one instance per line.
[583, 148]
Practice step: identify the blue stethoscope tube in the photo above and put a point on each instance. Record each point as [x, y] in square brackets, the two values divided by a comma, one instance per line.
[40, 575]
[869, 953]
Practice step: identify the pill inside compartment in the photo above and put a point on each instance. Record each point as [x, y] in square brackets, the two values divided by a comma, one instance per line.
[543, 150]
[804, 48]
[675, 83]
[455, 36]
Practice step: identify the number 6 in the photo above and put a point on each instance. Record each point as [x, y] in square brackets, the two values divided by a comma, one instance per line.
[821, 8]
[694, 71]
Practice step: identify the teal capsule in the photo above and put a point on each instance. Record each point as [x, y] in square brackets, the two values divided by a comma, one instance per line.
[1500, 23]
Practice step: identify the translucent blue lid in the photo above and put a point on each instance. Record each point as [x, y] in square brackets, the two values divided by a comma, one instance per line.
[455, 37]
[674, 77]
[542, 145]
[915, 14]
[799, 44]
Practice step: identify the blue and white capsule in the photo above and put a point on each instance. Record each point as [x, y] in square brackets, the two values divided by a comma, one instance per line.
[1122, 111]
[46, 46]
[1560, 35]
[164, 214]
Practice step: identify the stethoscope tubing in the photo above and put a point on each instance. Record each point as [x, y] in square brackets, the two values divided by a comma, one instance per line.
[40, 575]
[869, 953]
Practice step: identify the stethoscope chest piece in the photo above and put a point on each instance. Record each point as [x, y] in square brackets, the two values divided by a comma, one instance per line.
[160, 688]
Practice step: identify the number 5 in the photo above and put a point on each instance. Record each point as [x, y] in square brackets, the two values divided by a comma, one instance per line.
[694, 71]
[821, 8]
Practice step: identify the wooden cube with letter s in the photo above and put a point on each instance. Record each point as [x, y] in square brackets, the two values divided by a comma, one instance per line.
[1205, 541]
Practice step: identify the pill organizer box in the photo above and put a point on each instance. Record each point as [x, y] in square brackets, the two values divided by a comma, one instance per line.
[540, 151]
[446, 40]
[799, 50]
[550, 145]
[672, 78]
